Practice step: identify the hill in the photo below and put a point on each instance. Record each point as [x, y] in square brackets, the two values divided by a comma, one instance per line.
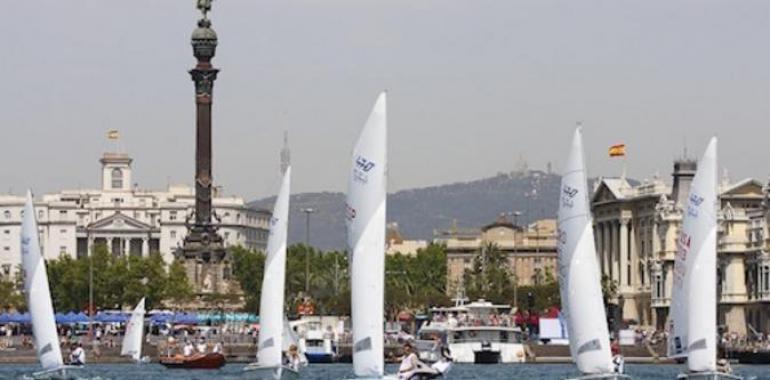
[419, 212]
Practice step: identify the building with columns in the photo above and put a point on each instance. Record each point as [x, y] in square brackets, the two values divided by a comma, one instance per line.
[129, 220]
[636, 229]
[531, 250]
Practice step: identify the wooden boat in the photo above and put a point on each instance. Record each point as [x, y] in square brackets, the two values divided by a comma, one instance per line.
[200, 361]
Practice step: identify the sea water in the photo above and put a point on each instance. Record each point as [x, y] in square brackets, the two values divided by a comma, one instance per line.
[345, 371]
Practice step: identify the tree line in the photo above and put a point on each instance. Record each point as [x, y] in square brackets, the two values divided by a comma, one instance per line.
[412, 282]
[118, 281]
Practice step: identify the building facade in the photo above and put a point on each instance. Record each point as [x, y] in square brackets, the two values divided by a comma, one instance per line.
[531, 250]
[636, 229]
[130, 221]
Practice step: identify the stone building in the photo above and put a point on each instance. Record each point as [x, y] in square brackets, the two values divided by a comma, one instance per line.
[129, 220]
[531, 250]
[636, 229]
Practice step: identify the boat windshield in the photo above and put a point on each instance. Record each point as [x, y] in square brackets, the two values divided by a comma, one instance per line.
[491, 336]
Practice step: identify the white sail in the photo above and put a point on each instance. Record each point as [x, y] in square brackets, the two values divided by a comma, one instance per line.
[579, 276]
[38, 293]
[271, 316]
[694, 300]
[132, 341]
[365, 214]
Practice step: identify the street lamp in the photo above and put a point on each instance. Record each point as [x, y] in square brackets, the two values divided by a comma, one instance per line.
[307, 212]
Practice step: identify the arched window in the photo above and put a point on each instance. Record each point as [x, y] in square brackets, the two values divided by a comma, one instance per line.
[117, 178]
[7, 214]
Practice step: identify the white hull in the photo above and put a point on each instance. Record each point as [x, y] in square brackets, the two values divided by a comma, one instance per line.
[256, 371]
[708, 376]
[63, 373]
[472, 352]
[603, 376]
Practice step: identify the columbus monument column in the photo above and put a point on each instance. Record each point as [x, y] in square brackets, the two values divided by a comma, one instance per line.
[203, 252]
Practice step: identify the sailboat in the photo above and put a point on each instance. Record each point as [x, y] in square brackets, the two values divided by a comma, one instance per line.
[39, 299]
[693, 316]
[579, 277]
[269, 364]
[132, 341]
[365, 221]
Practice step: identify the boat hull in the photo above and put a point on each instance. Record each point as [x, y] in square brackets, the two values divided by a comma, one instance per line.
[708, 376]
[475, 353]
[207, 361]
[603, 376]
[316, 358]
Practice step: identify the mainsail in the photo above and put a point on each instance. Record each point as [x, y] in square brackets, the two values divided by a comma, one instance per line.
[579, 276]
[694, 297]
[271, 315]
[38, 293]
[365, 214]
[132, 341]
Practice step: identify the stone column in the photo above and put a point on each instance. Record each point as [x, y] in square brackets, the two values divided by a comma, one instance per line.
[607, 249]
[623, 277]
[145, 247]
[634, 255]
[109, 246]
[126, 246]
[90, 245]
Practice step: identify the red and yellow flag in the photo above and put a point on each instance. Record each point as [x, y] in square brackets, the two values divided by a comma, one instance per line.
[618, 150]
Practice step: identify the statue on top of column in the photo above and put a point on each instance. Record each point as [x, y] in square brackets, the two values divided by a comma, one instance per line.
[205, 7]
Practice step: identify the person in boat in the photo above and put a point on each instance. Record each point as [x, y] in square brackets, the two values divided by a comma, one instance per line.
[293, 360]
[188, 348]
[217, 348]
[78, 355]
[201, 346]
[618, 361]
[724, 366]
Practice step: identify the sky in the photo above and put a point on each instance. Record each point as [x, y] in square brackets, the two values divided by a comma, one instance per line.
[472, 86]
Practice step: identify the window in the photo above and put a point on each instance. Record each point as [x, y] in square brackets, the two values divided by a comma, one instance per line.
[172, 215]
[7, 214]
[6, 248]
[40, 214]
[117, 178]
[63, 214]
[6, 269]
[227, 235]
[62, 250]
[62, 231]
[173, 234]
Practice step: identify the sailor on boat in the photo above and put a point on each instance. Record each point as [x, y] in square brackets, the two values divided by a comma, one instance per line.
[78, 355]
[293, 360]
[188, 348]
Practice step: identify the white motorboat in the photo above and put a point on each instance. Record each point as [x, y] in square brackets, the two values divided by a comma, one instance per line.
[472, 334]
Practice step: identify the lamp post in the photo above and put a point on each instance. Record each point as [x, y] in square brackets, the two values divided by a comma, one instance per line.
[307, 212]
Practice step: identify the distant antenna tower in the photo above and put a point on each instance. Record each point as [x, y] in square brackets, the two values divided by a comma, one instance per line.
[285, 153]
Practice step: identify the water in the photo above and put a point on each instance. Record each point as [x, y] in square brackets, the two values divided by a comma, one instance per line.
[343, 371]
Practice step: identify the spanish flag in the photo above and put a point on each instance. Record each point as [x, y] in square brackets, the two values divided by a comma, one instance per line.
[618, 150]
[113, 134]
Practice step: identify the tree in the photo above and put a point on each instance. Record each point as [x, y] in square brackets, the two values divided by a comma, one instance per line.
[248, 268]
[178, 288]
[11, 297]
[490, 276]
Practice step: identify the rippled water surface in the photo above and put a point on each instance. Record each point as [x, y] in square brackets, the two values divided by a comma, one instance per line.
[342, 371]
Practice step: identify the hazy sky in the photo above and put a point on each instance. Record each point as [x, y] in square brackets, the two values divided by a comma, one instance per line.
[472, 86]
